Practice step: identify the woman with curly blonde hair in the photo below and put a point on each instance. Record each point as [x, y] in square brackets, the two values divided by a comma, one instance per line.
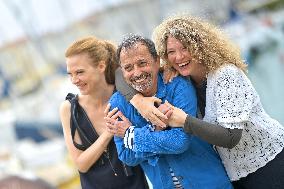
[249, 142]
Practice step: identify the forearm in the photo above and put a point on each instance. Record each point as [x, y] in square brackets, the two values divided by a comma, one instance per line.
[212, 133]
[126, 90]
[90, 156]
[173, 141]
[126, 155]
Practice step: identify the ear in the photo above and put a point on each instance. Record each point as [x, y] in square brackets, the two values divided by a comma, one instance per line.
[102, 66]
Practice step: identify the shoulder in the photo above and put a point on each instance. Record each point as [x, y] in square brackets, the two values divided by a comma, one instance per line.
[70, 96]
[228, 70]
[182, 83]
[180, 80]
[117, 99]
[65, 106]
[65, 113]
[116, 96]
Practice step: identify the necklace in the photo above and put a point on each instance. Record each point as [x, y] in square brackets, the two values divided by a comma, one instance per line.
[106, 151]
[107, 155]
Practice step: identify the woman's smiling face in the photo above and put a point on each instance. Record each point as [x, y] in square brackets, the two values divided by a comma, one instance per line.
[180, 58]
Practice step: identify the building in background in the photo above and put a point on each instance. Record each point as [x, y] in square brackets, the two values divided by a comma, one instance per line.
[34, 35]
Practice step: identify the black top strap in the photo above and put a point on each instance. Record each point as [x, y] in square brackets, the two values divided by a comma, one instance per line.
[80, 122]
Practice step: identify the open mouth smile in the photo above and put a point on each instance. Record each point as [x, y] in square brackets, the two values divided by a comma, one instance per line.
[184, 64]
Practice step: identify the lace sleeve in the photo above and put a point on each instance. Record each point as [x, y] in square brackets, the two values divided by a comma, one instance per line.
[234, 98]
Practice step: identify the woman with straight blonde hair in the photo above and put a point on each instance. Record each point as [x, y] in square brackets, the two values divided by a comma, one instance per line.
[91, 63]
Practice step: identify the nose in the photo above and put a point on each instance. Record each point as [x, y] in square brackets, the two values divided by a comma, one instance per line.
[179, 55]
[74, 80]
[137, 71]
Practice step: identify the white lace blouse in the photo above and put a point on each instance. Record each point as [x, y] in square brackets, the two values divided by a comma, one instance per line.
[232, 102]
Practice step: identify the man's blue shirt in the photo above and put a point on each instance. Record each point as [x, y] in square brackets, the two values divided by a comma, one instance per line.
[192, 160]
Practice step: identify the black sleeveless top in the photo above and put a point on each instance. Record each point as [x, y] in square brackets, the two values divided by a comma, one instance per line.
[108, 172]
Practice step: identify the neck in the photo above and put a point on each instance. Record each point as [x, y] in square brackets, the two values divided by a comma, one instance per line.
[199, 77]
[152, 91]
[100, 98]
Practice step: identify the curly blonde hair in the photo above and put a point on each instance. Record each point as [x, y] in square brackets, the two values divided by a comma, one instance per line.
[205, 42]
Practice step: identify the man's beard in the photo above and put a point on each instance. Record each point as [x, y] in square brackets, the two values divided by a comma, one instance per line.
[141, 87]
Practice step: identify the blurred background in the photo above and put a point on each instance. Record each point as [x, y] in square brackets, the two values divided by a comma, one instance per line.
[33, 82]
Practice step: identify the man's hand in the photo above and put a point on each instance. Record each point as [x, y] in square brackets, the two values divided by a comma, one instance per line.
[113, 124]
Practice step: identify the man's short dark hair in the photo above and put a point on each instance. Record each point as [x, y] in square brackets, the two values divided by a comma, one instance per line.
[132, 39]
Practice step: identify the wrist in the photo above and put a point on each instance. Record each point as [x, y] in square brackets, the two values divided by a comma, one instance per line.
[184, 117]
[187, 126]
[107, 135]
[136, 99]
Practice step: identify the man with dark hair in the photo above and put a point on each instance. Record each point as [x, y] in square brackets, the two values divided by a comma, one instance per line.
[170, 158]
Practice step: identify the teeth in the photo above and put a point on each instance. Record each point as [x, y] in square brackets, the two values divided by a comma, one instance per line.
[141, 79]
[183, 64]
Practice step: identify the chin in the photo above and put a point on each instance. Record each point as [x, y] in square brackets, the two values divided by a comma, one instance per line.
[184, 72]
[83, 92]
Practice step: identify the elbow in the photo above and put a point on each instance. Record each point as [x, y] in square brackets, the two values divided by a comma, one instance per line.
[132, 164]
[83, 170]
[231, 145]
[81, 166]
[234, 141]
[127, 162]
[125, 158]
[179, 148]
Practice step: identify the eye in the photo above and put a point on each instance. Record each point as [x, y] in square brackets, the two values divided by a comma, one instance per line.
[128, 68]
[170, 52]
[79, 72]
[143, 63]
[184, 49]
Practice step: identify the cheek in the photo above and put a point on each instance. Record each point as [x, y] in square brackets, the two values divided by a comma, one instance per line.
[126, 76]
[171, 58]
[174, 65]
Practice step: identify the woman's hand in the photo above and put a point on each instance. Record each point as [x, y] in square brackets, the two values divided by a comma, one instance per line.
[178, 116]
[167, 111]
[169, 73]
[146, 107]
[113, 124]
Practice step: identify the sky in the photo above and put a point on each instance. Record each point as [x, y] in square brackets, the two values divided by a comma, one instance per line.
[20, 18]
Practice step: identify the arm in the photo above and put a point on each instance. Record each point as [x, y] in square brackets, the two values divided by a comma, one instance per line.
[127, 155]
[172, 141]
[164, 142]
[212, 133]
[234, 98]
[146, 140]
[144, 105]
[182, 94]
[82, 159]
